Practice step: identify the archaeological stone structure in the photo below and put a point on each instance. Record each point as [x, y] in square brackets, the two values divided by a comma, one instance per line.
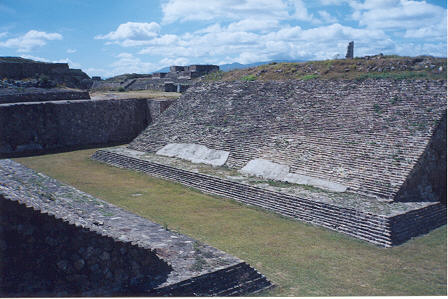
[374, 151]
[30, 124]
[178, 79]
[350, 50]
[58, 241]
[363, 158]
[21, 68]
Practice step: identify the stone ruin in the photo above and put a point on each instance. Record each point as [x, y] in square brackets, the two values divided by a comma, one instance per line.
[350, 50]
[58, 241]
[374, 152]
[67, 119]
[17, 68]
[178, 79]
[191, 71]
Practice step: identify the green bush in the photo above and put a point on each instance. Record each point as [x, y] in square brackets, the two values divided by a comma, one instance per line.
[249, 78]
[121, 89]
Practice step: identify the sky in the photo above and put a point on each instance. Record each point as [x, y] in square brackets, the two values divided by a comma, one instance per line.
[111, 37]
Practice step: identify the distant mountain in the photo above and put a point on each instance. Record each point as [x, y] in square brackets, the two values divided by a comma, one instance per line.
[164, 70]
[236, 65]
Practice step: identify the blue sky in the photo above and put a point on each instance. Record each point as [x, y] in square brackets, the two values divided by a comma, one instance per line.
[110, 37]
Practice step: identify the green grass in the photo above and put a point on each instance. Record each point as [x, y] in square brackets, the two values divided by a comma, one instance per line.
[301, 259]
[309, 77]
[249, 78]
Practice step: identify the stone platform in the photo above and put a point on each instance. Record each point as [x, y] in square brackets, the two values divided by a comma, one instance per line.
[178, 265]
[383, 223]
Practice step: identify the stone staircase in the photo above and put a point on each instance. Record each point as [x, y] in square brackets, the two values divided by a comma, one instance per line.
[237, 280]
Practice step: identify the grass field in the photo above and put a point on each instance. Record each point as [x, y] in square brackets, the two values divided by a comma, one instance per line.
[301, 259]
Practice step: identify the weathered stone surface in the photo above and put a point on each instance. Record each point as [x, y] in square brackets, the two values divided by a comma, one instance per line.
[63, 242]
[365, 135]
[350, 50]
[274, 171]
[195, 153]
[18, 95]
[42, 126]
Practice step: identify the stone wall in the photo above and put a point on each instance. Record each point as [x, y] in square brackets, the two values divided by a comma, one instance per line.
[29, 70]
[365, 135]
[39, 127]
[44, 256]
[427, 179]
[13, 95]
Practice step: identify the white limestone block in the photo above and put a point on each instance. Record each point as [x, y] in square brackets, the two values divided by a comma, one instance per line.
[315, 182]
[266, 169]
[279, 172]
[194, 153]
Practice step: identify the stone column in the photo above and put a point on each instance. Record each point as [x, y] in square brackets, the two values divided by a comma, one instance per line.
[350, 48]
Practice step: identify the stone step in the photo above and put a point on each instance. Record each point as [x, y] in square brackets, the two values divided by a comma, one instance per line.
[352, 223]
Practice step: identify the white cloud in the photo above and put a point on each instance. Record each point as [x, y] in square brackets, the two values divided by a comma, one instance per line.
[30, 40]
[397, 14]
[206, 10]
[332, 2]
[128, 63]
[326, 17]
[132, 31]
[300, 12]
[253, 25]
[250, 31]
[216, 43]
[104, 73]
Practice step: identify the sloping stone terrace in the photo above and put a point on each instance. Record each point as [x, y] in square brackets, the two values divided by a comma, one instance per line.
[366, 135]
[189, 259]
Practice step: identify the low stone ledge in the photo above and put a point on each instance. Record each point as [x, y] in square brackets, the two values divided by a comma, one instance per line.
[15, 95]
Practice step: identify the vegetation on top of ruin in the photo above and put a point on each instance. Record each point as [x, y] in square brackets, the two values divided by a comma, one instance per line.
[369, 67]
[301, 259]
